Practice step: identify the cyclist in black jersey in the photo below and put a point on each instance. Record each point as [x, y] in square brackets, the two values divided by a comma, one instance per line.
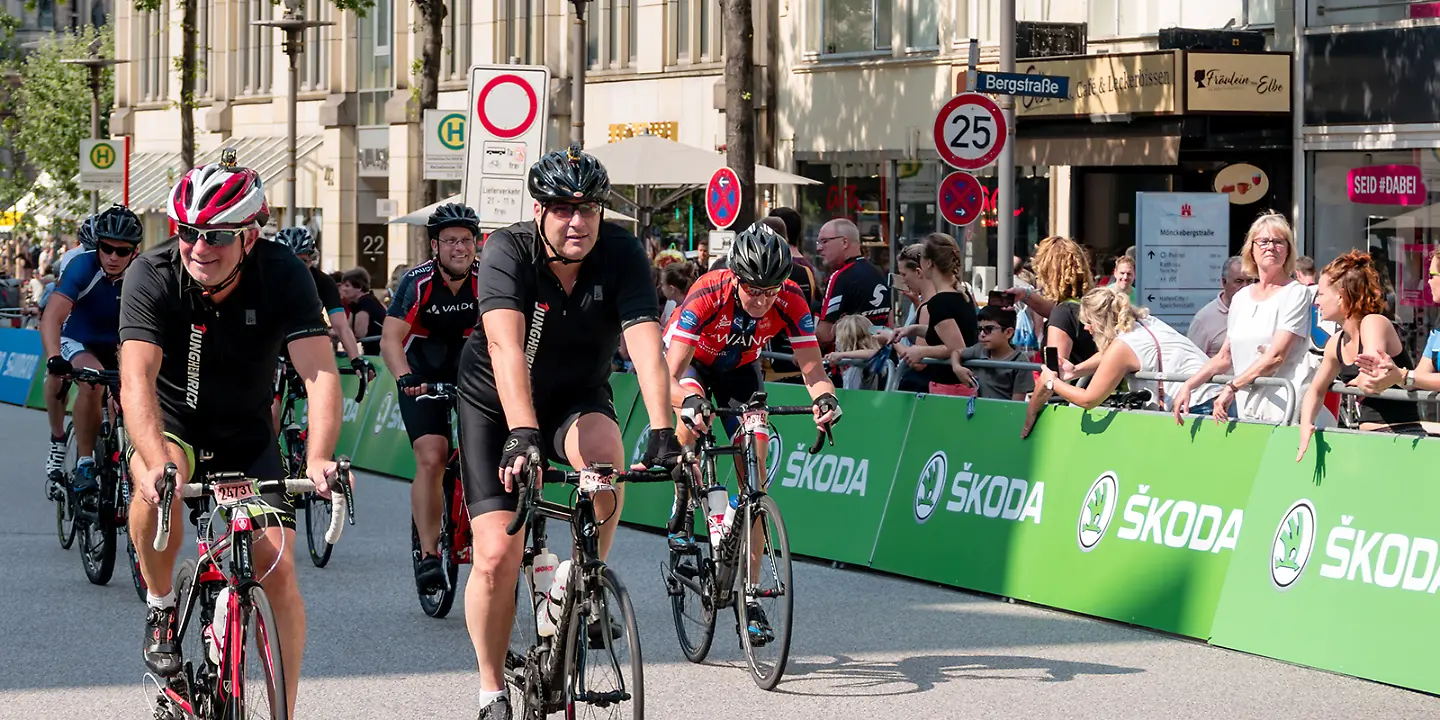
[556, 294]
[201, 328]
[432, 313]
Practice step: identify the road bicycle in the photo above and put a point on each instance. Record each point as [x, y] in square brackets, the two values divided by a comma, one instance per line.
[59, 488]
[454, 542]
[99, 522]
[723, 566]
[592, 660]
[231, 665]
[293, 437]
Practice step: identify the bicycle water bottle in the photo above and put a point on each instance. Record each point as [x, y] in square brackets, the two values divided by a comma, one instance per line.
[544, 577]
[555, 603]
[730, 514]
[716, 502]
[217, 625]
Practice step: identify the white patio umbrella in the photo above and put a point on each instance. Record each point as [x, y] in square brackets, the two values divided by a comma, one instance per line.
[420, 216]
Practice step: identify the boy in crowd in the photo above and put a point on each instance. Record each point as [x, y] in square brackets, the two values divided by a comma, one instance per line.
[997, 327]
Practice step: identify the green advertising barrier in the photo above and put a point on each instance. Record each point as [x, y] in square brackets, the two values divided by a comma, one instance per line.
[1119, 515]
[1342, 565]
[352, 413]
[381, 443]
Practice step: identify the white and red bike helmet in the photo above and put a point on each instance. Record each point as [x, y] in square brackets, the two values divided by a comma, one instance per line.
[219, 195]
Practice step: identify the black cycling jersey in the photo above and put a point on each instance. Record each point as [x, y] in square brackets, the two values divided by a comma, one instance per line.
[329, 292]
[439, 319]
[570, 339]
[375, 311]
[857, 288]
[217, 379]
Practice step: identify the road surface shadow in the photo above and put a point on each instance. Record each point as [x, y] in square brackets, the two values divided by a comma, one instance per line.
[846, 676]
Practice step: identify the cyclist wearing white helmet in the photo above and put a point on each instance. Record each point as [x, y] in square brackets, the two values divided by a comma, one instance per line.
[202, 325]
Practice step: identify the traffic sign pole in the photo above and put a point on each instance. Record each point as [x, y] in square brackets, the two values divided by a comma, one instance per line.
[1005, 176]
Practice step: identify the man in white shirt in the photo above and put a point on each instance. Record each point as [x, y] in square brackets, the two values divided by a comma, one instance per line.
[1208, 329]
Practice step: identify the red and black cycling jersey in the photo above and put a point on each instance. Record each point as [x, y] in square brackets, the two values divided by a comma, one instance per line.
[857, 288]
[440, 320]
[724, 335]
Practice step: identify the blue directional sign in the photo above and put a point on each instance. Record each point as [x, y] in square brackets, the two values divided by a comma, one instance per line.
[998, 83]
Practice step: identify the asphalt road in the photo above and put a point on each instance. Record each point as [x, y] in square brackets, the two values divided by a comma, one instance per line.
[866, 645]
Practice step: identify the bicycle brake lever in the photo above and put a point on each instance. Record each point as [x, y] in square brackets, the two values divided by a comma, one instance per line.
[820, 439]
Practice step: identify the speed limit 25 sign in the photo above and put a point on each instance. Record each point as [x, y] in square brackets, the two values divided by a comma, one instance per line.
[970, 132]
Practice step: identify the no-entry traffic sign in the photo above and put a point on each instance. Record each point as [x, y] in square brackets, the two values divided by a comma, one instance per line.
[506, 135]
[722, 198]
[960, 198]
[970, 132]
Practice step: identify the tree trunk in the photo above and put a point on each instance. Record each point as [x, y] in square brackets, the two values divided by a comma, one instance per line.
[188, 42]
[739, 28]
[432, 35]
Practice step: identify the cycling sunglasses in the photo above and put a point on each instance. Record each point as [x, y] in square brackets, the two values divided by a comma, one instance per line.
[213, 238]
[116, 250]
[753, 291]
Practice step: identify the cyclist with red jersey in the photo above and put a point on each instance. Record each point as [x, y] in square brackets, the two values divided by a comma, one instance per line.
[714, 343]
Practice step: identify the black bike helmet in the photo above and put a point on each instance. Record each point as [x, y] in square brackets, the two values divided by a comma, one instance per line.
[298, 239]
[569, 176]
[86, 233]
[118, 223]
[452, 215]
[760, 257]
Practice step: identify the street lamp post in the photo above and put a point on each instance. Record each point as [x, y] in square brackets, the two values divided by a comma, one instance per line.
[580, 60]
[294, 26]
[96, 65]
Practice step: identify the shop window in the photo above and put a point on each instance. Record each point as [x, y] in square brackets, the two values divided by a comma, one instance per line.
[1356, 204]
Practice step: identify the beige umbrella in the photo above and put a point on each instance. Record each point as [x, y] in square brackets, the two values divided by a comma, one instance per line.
[420, 216]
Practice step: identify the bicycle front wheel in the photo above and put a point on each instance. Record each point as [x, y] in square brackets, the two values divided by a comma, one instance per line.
[256, 653]
[97, 547]
[602, 654]
[689, 581]
[65, 506]
[766, 601]
[318, 511]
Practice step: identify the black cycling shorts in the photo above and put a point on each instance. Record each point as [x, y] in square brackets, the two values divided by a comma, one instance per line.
[483, 433]
[737, 384]
[424, 417]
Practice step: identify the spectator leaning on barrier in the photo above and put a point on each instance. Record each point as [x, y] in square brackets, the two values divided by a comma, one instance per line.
[918, 289]
[1131, 341]
[367, 315]
[1062, 270]
[997, 327]
[1351, 294]
[854, 341]
[1269, 323]
[1380, 372]
[952, 325]
[1208, 328]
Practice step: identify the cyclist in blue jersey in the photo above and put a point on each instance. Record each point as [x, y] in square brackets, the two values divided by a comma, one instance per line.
[54, 404]
[81, 325]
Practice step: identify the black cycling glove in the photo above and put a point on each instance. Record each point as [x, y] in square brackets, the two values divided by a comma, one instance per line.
[362, 366]
[828, 403]
[523, 442]
[59, 366]
[695, 411]
[409, 380]
[662, 449]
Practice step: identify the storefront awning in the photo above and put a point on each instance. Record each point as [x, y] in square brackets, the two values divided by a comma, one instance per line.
[152, 175]
[1098, 151]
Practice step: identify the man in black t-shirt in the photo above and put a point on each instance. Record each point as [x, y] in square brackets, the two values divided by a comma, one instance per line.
[432, 313]
[367, 314]
[202, 325]
[856, 286]
[556, 294]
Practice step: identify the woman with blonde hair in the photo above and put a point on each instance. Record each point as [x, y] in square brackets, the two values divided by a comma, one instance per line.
[950, 316]
[1130, 341]
[1267, 331]
[1351, 294]
[1062, 271]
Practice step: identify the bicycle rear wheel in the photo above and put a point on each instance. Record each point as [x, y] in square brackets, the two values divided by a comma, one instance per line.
[256, 653]
[767, 601]
[318, 511]
[605, 676]
[97, 545]
[524, 691]
[689, 580]
[65, 506]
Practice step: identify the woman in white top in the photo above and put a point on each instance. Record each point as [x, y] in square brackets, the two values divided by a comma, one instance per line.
[1130, 341]
[1267, 331]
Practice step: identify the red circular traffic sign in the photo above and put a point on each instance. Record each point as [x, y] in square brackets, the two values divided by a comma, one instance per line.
[722, 198]
[960, 198]
[489, 123]
[970, 132]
